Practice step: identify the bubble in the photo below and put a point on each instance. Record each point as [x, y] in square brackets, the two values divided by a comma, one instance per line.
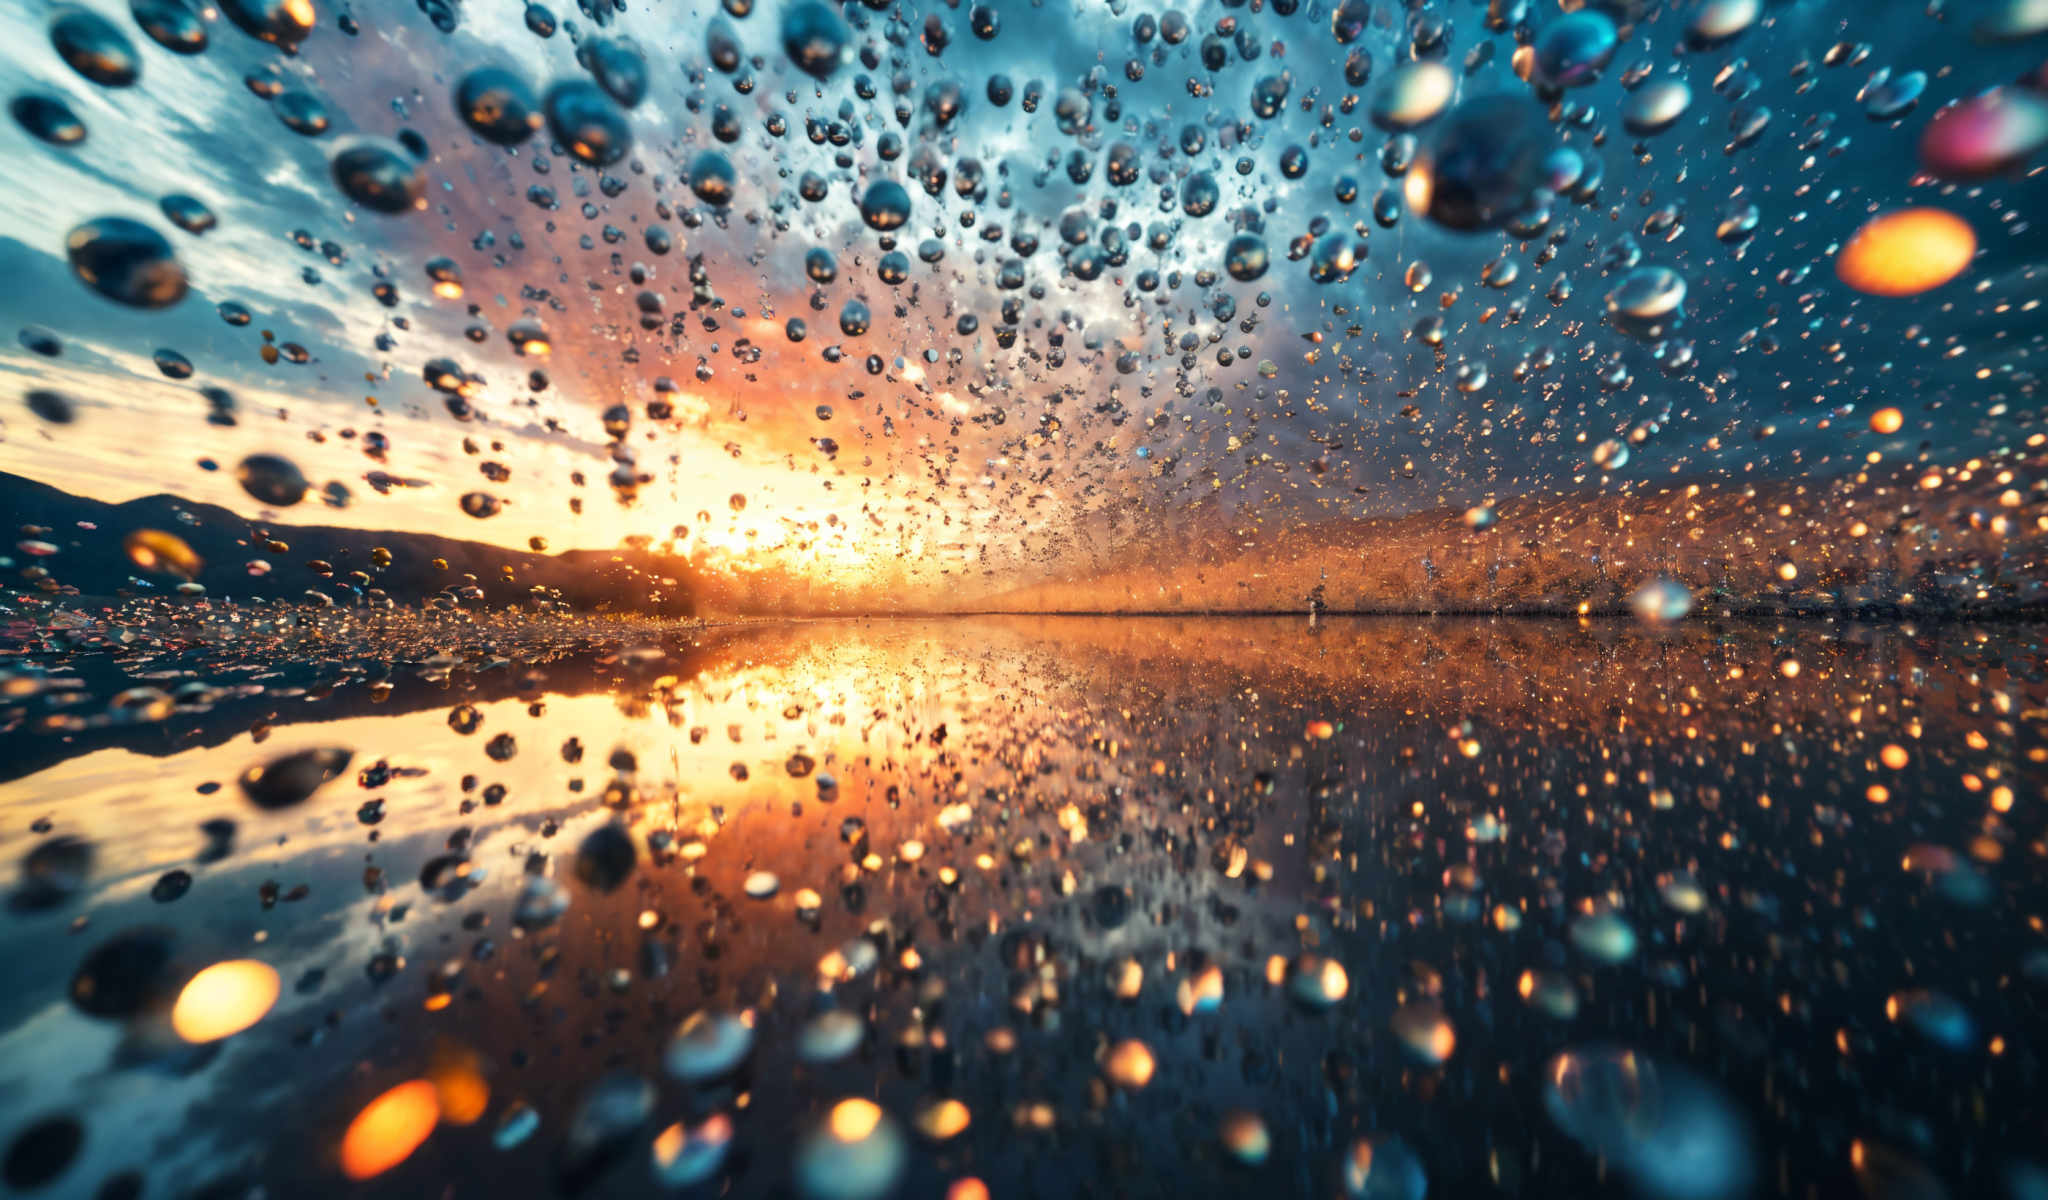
[127, 262]
[1572, 50]
[1906, 252]
[1895, 96]
[54, 407]
[856, 1153]
[830, 1036]
[92, 46]
[585, 121]
[1988, 134]
[47, 119]
[1269, 96]
[708, 1045]
[1349, 20]
[1660, 601]
[945, 100]
[713, 179]
[1482, 165]
[606, 858]
[155, 550]
[820, 266]
[1604, 937]
[378, 176]
[619, 70]
[1425, 1033]
[1245, 257]
[529, 338]
[37, 339]
[1656, 106]
[1413, 95]
[1316, 982]
[1086, 263]
[1648, 302]
[273, 480]
[41, 1153]
[1386, 207]
[2011, 20]
[187, 213]
[814, 37]
[885, 205]
[1382, 1166]
[1716, 22]
[1334, 257]
[688, 1155]
[498, 106]
[171, 24]
[302, 113]
[290, 780]
[282, 23]
[1738, 223]
[1199, 194]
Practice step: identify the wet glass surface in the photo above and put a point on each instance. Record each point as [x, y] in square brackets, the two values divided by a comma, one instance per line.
[881, 599]
[1055, 905]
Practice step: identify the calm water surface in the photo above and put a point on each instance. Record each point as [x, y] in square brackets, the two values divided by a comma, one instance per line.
[1082, 906]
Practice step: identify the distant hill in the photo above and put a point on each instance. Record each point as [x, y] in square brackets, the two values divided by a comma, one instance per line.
[90, 558]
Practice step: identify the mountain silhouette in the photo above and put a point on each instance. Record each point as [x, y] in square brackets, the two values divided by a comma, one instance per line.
[90, 559]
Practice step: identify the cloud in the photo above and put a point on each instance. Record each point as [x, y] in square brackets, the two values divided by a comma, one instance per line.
[1291, 404]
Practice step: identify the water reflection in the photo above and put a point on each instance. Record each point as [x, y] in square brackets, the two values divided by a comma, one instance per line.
[1042, 904]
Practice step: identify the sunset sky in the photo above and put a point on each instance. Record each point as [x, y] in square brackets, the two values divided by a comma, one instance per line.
[1010, 463]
